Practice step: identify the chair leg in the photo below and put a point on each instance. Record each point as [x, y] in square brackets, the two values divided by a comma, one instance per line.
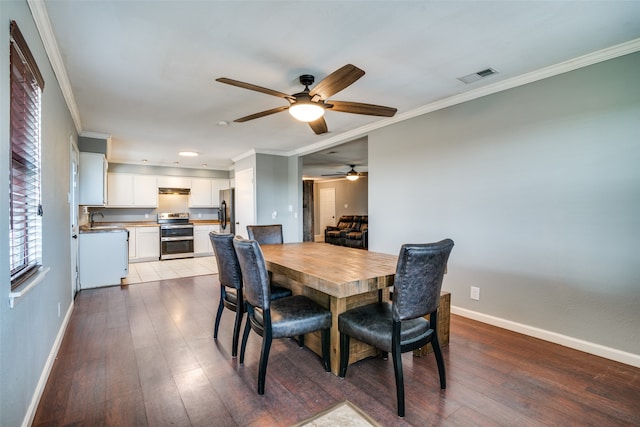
[440, 362]
[245, 335]
[236, 331]
[264, 359]
[300, 341]
[218, 317]
[344, 353]
[397, 367]
[326, 335]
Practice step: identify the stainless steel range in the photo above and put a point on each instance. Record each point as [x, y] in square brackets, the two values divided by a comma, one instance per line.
[176, 236]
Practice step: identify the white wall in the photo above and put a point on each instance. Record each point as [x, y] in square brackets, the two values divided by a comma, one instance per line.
[28, 332]
[539, 187]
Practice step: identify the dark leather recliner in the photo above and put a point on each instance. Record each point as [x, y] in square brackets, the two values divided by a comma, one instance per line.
[358, 237]
[351, 230]
[399, 326]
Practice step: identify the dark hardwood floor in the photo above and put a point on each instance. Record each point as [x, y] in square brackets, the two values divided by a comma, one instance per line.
[144, 355]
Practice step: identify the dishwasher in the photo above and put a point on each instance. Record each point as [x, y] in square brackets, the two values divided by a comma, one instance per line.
[103, 256]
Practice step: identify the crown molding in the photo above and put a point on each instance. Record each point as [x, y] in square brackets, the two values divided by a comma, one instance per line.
[43, 24]
[612, 52]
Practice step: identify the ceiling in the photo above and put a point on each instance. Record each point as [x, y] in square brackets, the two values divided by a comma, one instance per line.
[144, 72]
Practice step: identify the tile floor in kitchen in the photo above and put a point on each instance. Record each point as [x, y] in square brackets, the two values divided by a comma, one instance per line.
[170, 269]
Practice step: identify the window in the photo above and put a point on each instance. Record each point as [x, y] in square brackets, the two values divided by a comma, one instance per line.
[25, 234]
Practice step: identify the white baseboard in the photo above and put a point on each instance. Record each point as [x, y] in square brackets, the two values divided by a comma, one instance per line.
[42, 382]
[575, 343]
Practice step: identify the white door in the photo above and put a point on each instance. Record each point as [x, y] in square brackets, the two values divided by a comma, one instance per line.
[73, 216]
[245, 201]
[327, 209]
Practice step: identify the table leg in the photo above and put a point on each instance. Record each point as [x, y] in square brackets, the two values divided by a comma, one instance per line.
[337, 306]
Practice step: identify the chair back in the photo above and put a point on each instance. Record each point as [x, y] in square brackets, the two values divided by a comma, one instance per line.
[418, 279]
[254, 272]
[229, 273]
[266, 234]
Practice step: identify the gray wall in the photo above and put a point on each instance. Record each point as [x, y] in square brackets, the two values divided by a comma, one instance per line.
[273, 193]
[539, 187]
[28, 331]
[278, 186]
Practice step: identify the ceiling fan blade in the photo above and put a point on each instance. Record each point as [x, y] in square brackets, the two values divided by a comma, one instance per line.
[360, 108]
[334, 174]
[253, 87]
[261, 114]
[319, 126]
[337, 81]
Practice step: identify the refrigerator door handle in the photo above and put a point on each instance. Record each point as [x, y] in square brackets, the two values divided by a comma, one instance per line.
[222, 214]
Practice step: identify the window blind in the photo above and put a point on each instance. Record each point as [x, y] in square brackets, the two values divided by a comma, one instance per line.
[25, 237]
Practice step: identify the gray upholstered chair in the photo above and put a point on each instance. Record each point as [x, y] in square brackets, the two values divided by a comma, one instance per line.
[285, 317]
[230, 278]
[399, 326]
[266, 234]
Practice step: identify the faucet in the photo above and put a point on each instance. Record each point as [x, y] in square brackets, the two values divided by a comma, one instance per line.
[91, 215]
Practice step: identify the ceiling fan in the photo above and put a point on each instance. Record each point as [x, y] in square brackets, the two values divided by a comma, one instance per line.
[352, 175]
[310, 104]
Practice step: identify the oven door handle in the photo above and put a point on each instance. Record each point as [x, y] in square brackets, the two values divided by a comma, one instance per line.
[175, 239]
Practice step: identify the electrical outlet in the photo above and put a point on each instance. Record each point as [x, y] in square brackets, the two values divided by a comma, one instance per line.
[475, 293]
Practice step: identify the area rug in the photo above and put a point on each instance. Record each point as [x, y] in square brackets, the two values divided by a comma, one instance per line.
[344, 414]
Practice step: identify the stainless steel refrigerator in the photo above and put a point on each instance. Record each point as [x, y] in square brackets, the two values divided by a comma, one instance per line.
[227, 212]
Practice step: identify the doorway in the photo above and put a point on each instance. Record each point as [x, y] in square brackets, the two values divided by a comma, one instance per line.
[73, 215]
[327, 210]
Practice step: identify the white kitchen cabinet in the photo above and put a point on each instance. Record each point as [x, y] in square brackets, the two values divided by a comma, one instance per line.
[103, 259]
[128, 190]
[174, 182]
[147, 243]
[205, 193]
[201, 241]
[119, 189]
[200, 196]
[92, 172]
[132, 243]
[145, 191]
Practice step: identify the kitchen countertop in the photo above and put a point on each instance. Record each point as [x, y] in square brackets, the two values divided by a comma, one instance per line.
[102, 225]
[101, 228]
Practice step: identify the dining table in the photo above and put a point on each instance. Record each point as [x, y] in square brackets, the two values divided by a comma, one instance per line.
[336, 277]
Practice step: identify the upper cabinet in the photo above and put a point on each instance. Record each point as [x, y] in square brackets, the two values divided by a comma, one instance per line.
[205, 193]
[92, 171]
[129, 190]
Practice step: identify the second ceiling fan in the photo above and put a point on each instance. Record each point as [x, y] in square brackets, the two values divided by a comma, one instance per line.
[310, 104]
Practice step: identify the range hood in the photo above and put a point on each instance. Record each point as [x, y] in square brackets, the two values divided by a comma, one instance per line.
[165, 190]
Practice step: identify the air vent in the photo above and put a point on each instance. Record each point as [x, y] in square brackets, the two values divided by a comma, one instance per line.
[478, 75]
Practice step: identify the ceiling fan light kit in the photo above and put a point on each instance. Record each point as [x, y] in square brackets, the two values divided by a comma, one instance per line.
[352, 175]
[310, 104]
[306, 111]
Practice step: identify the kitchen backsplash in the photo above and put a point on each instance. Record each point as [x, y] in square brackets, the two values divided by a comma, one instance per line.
[137, 214]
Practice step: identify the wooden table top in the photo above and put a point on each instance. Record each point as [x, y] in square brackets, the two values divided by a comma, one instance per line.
[335, 270]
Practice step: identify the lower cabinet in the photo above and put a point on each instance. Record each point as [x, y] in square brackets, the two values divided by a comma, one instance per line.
[144, 244]
[201, 241]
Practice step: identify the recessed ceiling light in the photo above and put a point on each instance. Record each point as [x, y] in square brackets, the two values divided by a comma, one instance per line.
[223, 123]
[188, 153]
[144, 160]
[204, 165]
